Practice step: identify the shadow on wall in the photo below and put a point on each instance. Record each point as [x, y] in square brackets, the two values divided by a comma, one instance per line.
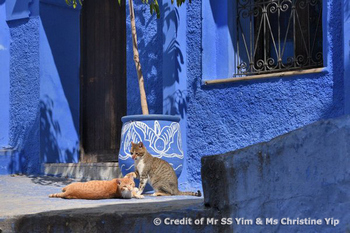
[150, 51]
[175, 103]
[58, 22]
[347, 10]
[50, 132]
[173, 54]
[25, 159]
[150, 43]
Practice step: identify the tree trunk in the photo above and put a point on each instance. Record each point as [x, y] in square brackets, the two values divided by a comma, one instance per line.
[144, 105]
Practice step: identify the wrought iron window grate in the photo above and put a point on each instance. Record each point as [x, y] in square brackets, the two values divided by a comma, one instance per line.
[278, 35]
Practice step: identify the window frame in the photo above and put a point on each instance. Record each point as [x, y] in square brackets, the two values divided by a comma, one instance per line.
[218, 56]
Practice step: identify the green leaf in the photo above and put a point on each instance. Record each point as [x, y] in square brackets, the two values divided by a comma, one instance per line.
[151, 8]
[74, 3]
[156, 7]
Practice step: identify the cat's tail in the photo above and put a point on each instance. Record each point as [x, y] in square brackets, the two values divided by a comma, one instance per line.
[197, 194]
[58, 195]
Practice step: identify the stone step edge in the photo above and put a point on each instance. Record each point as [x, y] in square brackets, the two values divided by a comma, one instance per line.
[84, 171]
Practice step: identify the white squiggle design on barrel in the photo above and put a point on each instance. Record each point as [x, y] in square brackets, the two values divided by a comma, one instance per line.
[164, 137]
[176, 167]
[126, 169]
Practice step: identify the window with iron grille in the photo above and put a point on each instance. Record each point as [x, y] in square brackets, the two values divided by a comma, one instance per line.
[278, 35]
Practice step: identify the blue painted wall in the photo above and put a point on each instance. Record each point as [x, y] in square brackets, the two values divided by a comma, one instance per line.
[59, 84]
[25, 95]
[346, 8]
[227, 117]
[149, 35]
[218, 45]
[4, 76]
[41, 80]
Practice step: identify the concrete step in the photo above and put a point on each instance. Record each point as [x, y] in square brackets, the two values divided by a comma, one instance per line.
[178, 215]
[83, 171]
[25, 207]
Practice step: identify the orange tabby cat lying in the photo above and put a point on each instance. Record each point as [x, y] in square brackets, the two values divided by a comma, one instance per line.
[101, 189]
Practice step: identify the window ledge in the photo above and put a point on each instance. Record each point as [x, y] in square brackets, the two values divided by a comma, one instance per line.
[265, 76]
[7, 151]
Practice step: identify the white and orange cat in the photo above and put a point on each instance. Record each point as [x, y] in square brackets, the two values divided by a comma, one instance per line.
[101, 189]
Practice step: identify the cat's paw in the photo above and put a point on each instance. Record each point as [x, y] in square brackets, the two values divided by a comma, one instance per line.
[138, 192]
[139, 196]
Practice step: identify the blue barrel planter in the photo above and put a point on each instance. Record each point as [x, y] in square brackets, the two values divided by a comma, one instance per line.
[161, 136]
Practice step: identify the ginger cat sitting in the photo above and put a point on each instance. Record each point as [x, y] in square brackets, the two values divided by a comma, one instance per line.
[101, 189]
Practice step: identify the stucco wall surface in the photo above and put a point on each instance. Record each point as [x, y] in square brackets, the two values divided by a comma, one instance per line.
[226, 117]
[346, 41]
[25, 95]
[302, 174]
[43, 89]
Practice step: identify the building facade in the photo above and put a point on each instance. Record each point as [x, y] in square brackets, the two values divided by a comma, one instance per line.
[190, 58]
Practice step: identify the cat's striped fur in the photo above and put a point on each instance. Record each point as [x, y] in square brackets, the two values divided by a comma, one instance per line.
[157, 172]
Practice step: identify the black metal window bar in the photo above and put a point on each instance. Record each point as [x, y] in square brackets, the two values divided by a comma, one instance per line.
[278, 35]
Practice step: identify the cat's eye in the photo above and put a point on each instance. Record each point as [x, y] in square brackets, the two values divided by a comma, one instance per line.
[131, 153]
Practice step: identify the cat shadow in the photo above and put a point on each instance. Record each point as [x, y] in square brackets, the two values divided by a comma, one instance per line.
[51, 180]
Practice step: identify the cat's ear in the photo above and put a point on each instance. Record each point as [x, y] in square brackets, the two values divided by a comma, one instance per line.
[141, 145]
[132, 144]
[118, 181]
[130, 175]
